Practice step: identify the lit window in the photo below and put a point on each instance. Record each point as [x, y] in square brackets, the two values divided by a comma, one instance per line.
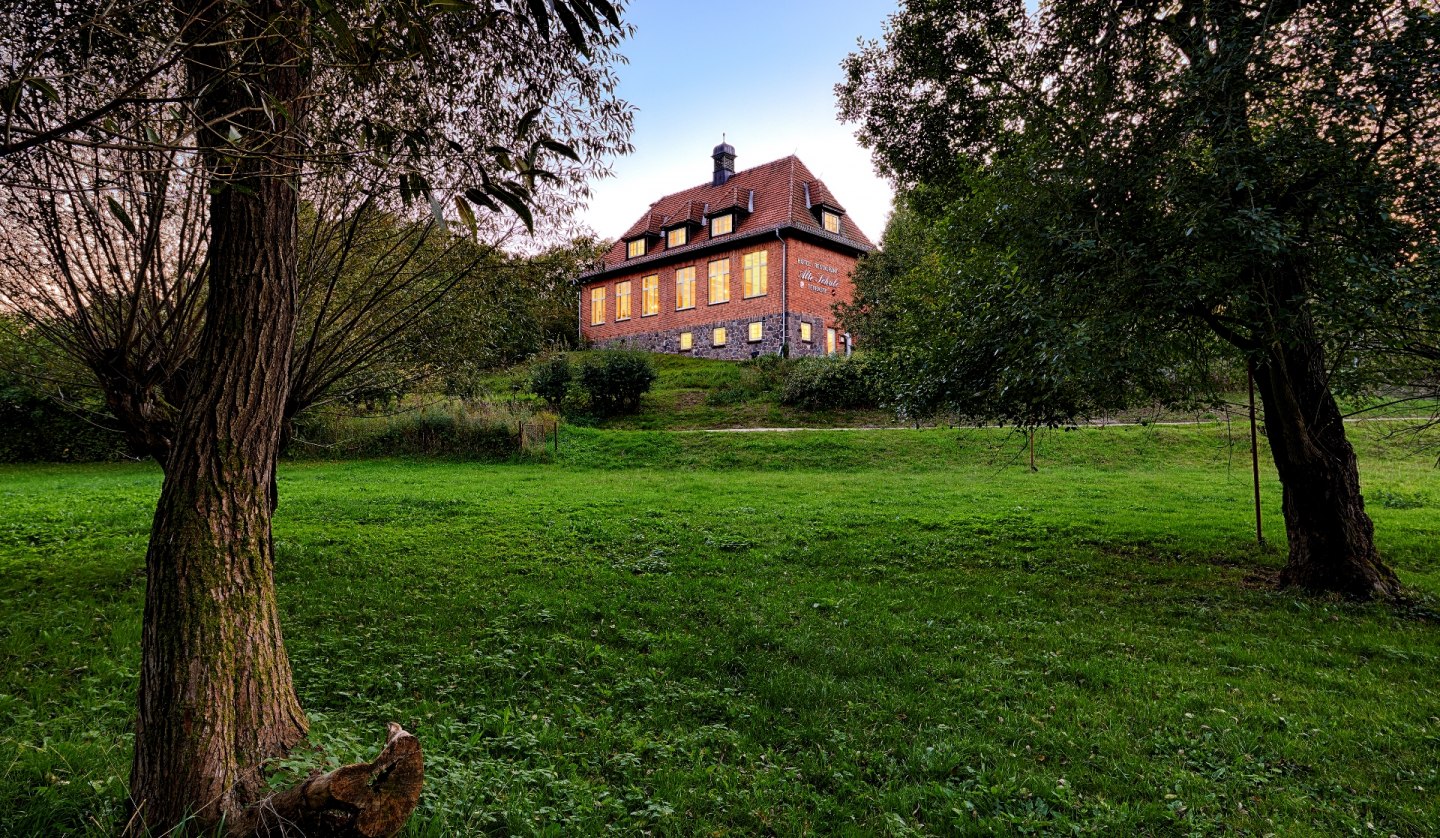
[757, 331]
[622, 300]
[650, 295]
[687, 341]
[805, 332]
[717, 337]
[720, 281]
[829, 340]
[831, 220]
[637, 248]
[677, 237]
[684, 288]
[722, 224]
[597, 306]
[756, 283]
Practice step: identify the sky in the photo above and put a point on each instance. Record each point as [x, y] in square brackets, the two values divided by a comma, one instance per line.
[762, 74]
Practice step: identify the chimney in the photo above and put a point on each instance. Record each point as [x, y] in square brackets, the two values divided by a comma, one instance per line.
[724, 157]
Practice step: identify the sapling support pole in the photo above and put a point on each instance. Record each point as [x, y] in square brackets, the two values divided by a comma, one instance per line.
[1255, 455]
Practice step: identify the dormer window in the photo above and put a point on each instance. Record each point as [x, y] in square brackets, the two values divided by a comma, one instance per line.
[831, 221]
[677, 237]
[722, 224]
[635, 248]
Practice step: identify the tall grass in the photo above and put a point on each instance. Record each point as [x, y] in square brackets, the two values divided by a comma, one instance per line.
[481, 430]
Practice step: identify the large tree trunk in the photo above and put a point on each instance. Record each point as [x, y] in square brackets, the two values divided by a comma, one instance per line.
[1332, 540]
[216, 700]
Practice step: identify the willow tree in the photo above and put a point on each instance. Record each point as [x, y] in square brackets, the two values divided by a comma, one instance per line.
[489, 100]
[1118, 195]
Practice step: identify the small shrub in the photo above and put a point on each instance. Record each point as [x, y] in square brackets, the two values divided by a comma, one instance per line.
[764, 377]
[834, 383]
[615, 380]
[550, 380]
[442, 432]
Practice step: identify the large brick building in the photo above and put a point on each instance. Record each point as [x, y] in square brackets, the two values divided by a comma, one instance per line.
[752, 262]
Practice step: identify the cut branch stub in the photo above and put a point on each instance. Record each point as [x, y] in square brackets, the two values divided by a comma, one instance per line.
[364, 800]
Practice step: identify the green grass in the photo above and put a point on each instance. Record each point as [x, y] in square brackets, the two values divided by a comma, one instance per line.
[836, 633]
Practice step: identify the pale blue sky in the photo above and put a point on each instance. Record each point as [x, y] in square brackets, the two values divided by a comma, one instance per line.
[763, 73]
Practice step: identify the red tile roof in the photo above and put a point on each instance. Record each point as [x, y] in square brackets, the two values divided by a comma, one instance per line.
[820, 195]
[779, 197]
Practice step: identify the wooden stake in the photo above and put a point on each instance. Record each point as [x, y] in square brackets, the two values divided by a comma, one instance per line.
[1255, 455]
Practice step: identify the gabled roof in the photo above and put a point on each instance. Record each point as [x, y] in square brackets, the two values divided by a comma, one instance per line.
[769, 197]
[820, 196]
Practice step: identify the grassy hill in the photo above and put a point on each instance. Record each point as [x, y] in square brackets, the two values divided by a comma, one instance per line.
[700, 393]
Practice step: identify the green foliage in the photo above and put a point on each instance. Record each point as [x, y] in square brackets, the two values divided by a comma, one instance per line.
[704, 640]
[514, 309]
[1110, 204]
[837, 382]
[36, 423]
[35, 428]
[550, 379]
[760, 378]
[615, 379]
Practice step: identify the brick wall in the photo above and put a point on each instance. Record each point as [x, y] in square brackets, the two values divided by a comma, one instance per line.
[704, 311]
[817, 279]
[737, 346]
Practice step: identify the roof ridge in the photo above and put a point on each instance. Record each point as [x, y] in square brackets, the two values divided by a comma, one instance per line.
[703, 184]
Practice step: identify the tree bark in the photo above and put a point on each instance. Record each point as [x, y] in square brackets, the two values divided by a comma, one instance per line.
[216, 701]
[1332, 540]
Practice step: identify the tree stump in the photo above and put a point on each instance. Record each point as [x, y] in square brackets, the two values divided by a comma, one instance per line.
[364, 800]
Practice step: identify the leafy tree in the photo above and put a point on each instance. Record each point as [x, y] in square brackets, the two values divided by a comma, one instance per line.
[487, 99]
[1116, 201]
[113, 279]
[521, 306]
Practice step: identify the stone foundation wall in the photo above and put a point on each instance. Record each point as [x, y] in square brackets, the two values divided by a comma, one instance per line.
[738, 346]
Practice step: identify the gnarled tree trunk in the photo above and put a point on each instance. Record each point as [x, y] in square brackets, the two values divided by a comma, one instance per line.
[1332, 540]
[216, 700]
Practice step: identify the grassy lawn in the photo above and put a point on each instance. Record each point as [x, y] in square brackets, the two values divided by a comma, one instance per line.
[836, 633]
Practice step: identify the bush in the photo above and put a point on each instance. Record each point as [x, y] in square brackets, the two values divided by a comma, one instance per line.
[764, 377]
[34, 428]
[550, 380]
[478, 430]
[615, 380]
[441, 432]
[834, 383]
